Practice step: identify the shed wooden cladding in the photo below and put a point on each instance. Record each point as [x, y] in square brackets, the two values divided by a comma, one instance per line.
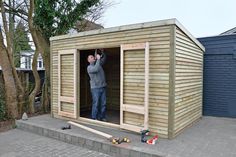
[166, 85]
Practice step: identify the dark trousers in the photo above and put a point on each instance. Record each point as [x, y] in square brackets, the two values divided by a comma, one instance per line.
[99, 103]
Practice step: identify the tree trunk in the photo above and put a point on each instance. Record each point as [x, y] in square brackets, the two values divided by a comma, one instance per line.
[19, 90]
[10, 87]
[37, 82]
[42, 45]
[45, 46]
[21, 102]
[22, 98]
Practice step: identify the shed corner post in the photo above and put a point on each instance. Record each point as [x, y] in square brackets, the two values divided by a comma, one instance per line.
[171, 110]
[51, 87]
[77, 77]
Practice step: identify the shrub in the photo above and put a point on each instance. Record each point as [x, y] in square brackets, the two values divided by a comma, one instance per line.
[2, 103]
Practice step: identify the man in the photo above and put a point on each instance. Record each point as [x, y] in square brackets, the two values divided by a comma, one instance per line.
[98, 85]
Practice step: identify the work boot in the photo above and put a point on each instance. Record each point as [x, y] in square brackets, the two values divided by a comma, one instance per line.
[104, 119]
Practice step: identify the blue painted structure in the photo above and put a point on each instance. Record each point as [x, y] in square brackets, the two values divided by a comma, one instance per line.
[219, 83]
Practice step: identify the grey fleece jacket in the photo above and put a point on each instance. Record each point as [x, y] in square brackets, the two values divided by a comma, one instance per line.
[96, 73]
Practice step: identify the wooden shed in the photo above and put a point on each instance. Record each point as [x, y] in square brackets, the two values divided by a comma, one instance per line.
[154, 74]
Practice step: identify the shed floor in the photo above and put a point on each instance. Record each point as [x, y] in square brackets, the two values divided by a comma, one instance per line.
[112, 116]
[210, 137]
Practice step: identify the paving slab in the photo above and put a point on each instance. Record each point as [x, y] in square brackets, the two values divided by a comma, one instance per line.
[18, 143]
[210, 137]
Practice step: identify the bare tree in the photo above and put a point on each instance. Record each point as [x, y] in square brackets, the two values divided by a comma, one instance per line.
[11, 81]
[26, 10]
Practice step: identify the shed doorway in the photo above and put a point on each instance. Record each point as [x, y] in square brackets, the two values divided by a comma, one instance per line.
[112, 74]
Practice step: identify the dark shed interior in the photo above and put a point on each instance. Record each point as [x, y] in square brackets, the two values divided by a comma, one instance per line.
[112, 73]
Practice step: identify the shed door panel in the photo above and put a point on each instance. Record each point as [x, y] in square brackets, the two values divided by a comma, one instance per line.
[134, 86]
[67, 83]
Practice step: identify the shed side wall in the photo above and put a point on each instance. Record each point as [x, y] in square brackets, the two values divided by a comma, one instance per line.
[159, 40]
[188, 82]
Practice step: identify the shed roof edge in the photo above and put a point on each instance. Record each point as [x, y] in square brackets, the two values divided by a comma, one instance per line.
[130, 27]
[177, 23]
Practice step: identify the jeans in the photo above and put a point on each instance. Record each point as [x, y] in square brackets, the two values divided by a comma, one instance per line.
[99, 103]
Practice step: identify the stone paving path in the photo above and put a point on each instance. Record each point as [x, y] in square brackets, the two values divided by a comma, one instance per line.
[17, 143]
[210, 137]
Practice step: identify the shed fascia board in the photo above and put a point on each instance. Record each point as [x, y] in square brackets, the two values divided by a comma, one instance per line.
[131, 27]
[116, 29]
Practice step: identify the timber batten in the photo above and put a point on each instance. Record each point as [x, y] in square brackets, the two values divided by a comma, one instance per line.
[170, 83]
[67, 83]
[130, 106]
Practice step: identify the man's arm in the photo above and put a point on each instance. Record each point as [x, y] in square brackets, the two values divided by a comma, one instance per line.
[103, 58]
[95, 68]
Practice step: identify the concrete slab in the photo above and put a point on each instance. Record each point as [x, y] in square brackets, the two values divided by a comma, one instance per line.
[210, 137]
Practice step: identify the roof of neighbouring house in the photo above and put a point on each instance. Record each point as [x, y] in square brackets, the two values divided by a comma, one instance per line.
[27, 53]
[229, 32]
[86, 25]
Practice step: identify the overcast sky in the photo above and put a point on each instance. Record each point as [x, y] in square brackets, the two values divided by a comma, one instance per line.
[200, 17]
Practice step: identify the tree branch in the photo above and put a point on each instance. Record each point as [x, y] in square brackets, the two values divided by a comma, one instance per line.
[20, 12]
[4, 19]
[9, 48]
[30, 13]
